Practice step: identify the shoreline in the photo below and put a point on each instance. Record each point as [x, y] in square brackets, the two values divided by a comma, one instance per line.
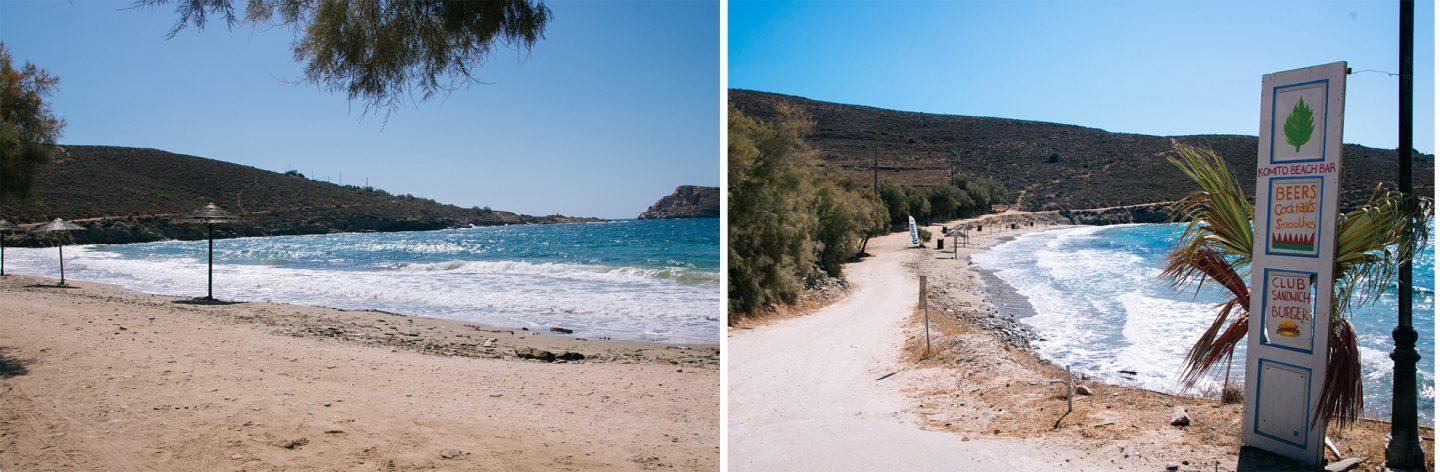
[102, 378]
[592, 322]
[361, 326]
[985, 344]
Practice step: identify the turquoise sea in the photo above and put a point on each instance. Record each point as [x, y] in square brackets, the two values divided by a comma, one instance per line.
[1100, 305]
[643, 280]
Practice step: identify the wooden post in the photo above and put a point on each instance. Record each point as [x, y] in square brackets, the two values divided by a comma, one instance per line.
[926, 308]
[1069, 390]
[62, 263]
[210, 268]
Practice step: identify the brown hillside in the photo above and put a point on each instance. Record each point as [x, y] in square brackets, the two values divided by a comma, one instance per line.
[1092, 168]
[129, 195]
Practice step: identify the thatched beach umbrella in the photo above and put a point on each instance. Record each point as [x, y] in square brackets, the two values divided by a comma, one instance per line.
[60, 226]
[6, 227]
[210, 216]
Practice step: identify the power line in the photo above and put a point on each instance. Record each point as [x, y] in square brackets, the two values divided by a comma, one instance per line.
[1392, 74]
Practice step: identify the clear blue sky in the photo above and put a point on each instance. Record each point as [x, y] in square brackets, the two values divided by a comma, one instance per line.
[1152, 67]
[618, 104]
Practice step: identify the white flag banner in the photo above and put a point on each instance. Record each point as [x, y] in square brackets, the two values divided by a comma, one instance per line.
[914, 233]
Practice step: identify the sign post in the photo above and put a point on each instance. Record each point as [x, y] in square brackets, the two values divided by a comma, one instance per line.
[1297, 189]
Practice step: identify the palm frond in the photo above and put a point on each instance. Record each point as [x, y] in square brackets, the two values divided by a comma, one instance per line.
[1216, 242]
[1217, 225]
[1342, 396]
[1370, 242]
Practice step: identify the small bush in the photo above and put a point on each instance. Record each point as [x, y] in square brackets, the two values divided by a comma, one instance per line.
[1232, 393]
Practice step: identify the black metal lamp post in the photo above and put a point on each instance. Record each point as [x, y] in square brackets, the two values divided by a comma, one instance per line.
[1403, 451]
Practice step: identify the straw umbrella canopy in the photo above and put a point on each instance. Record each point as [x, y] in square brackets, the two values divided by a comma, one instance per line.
[210, 216]
[60, 226]
[6, 227]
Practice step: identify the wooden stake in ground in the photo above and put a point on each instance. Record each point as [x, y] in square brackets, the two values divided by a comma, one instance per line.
[925, 308]
[6, 227]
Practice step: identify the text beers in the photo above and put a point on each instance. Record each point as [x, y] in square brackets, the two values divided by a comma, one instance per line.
[1295, 198]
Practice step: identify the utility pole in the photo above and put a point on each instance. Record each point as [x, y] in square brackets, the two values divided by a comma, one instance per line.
[1403, 451]
[875, 175]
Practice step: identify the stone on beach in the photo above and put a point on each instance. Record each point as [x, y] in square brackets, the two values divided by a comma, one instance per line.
[537, 354]
[1179, 417]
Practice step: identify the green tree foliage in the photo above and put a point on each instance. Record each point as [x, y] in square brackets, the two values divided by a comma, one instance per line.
[961, 197]
[770, 249]
[847, 217]
[896, 203]
[28, 128]
[381, 51]
[787, 218]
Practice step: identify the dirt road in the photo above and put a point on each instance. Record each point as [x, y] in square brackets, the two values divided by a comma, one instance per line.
[823, 391]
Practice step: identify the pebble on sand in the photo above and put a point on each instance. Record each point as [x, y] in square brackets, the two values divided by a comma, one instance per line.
[1179, 417]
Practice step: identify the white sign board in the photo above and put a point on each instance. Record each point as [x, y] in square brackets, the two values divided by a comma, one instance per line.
[1297, 187]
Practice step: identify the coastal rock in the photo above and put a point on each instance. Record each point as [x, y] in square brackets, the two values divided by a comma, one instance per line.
[557, 329]
[294, 443]
[1179, 417]
[1344, 465]
[571, 356]
[1147, 213]
[451, 453]
[1082, 390]
[688, 201]
[537, 354]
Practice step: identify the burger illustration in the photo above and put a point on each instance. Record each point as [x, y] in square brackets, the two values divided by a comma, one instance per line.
[1288, 329]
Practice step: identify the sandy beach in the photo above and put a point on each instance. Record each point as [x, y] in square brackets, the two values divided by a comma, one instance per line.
[100, 378]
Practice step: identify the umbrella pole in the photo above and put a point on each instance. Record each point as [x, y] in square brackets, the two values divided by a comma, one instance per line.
[62, 263]
[2, 255]
[210, 271]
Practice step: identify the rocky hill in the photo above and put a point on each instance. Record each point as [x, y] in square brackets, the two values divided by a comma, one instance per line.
[688, 201]
[130, 194]
[1048, 166]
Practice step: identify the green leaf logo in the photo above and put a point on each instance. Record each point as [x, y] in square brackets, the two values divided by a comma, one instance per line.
[1300, 125]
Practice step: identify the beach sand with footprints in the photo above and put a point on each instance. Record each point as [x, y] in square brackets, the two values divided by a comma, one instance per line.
[100, 378]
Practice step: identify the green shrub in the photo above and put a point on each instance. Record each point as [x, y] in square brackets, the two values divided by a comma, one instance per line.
[786, 216]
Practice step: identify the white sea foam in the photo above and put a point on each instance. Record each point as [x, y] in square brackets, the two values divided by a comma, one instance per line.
[1095, 308]
[621, 302]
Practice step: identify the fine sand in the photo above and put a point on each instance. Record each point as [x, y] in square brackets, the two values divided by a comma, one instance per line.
[824, 391]
[100, 378]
